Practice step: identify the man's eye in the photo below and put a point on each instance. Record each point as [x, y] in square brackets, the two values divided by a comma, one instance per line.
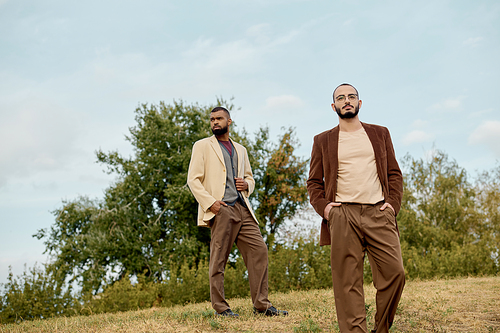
[352, 96]
[340, 98]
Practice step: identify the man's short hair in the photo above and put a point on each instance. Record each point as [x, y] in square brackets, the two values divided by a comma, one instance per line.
[220, 108]
[344, 84]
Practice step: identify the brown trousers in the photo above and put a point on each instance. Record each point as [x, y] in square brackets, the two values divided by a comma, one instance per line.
[235, 223]
[354, 229]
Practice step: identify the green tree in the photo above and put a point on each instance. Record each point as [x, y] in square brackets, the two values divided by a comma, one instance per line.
[488, 190]
[280, 181]
[146, 222]
[445, 231]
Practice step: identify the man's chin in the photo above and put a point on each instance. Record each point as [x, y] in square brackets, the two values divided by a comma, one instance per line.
[347, 115]
[219, 131]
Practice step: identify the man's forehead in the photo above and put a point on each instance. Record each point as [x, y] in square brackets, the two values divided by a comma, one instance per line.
[345, 90]
[218, 114]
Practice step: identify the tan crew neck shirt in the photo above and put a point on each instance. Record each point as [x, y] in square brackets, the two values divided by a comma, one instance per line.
[357, 175]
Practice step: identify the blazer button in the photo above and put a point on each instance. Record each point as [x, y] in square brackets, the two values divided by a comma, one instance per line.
[223, 170]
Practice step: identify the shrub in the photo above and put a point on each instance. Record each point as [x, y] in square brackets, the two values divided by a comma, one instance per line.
[123, 296]
[35, 295]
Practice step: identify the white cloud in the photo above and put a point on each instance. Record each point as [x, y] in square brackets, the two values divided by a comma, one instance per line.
[473, 41]
[244, 55]
[258, 29]
[260, 32]
[419, 123]
[283, 102]
[280, 109]
[208, 57]
[348, 22]
[450, 104]
[488, 134]
[37, 134]
[417, 136]
[481, 113]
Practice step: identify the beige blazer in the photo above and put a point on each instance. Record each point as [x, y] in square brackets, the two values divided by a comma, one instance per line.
[207, 176]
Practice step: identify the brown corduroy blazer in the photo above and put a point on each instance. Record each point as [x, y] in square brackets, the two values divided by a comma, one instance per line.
[322, 181]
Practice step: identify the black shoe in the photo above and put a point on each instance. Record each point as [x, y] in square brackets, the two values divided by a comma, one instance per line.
[272, 311]
[228, 313]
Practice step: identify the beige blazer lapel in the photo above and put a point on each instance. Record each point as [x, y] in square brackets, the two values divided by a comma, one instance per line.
[214, 143]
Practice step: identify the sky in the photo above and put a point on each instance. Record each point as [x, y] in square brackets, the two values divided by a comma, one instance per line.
[72, 74]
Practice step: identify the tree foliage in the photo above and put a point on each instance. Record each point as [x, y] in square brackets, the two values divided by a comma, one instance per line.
[280, 190]
[449, 226]
[146, 222]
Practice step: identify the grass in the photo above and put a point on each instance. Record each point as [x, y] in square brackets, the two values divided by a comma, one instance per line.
[458, 305]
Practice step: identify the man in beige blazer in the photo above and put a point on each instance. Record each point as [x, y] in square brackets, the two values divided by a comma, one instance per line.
[220, 178]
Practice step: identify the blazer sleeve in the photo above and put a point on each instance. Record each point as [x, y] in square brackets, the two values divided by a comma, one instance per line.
[315, 182]
[196, 177]
[394, 176]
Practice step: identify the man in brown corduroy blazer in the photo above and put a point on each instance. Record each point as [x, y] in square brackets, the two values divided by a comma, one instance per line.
[356, 185]
[221, 180]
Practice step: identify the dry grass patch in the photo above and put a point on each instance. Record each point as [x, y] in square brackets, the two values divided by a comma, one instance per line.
[460, 305]
[464, 305]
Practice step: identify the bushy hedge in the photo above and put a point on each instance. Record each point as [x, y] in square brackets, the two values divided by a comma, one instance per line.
[35, 294]
[298, 264]
[301, 266]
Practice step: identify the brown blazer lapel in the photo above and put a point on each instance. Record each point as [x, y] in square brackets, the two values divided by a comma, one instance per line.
[378, 145]
[332, 157]
[375, 140]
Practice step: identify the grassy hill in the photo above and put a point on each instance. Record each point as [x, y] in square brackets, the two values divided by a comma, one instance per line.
[458, 305]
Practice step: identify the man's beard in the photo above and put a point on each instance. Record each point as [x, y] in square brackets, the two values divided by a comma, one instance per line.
[349, 114]
[220, 131]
